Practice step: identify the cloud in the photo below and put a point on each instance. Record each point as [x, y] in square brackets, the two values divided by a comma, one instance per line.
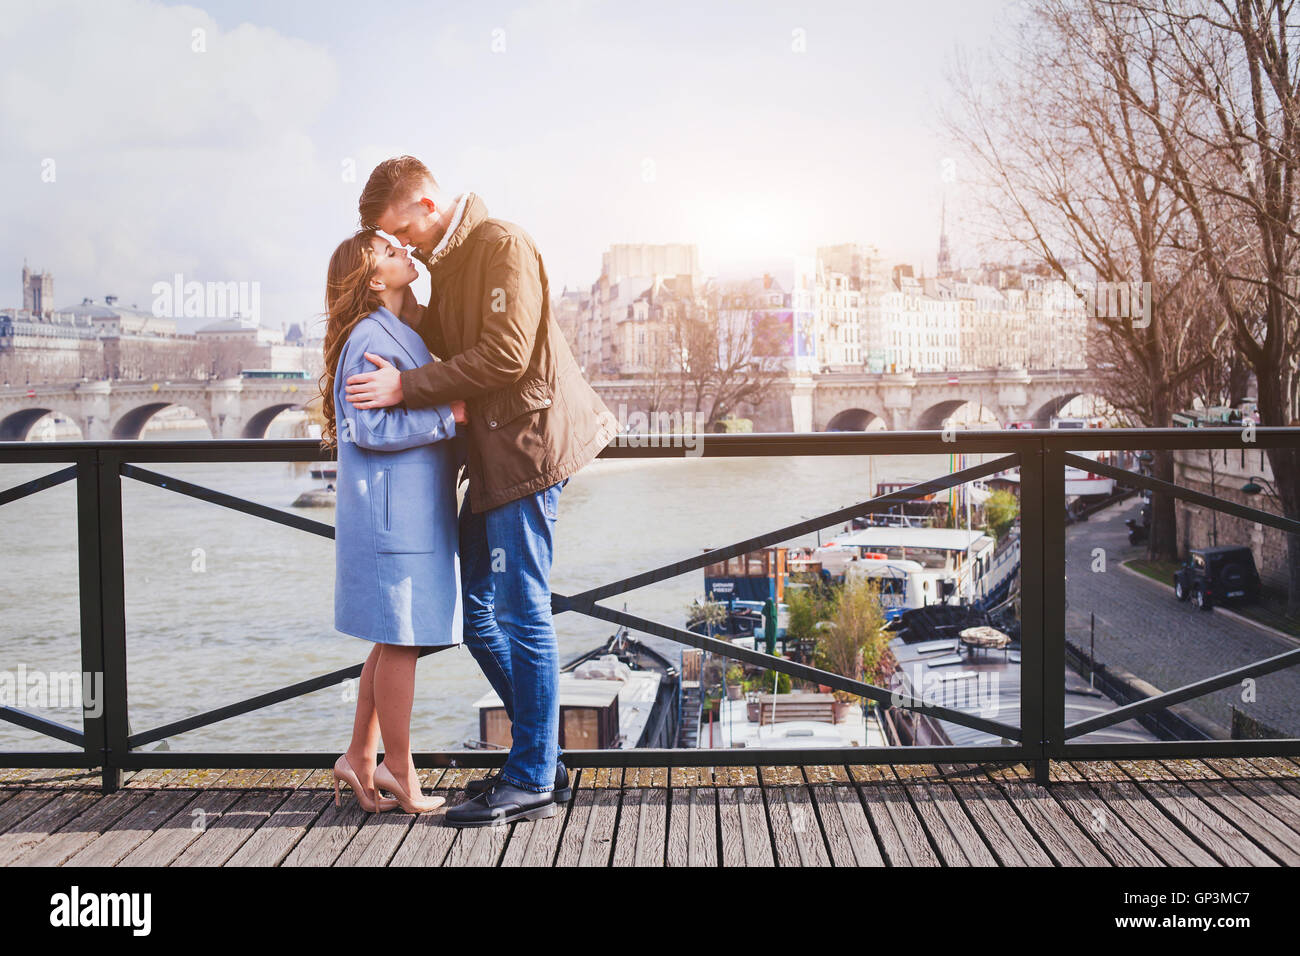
[174, 146]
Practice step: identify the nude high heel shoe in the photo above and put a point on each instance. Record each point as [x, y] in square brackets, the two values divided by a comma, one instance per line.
[418, 803]
[343, 771]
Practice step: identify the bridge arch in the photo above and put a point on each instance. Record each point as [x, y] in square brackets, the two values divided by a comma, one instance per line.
[18, 425]
[972, 414]
[257, 423]
[131, 423]
[1061, 403]
[856, 420]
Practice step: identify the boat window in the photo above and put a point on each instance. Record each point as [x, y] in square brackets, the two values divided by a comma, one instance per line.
[495, 727]
[581, 730]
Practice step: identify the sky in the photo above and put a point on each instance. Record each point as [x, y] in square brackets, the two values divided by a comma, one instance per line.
[228, 141]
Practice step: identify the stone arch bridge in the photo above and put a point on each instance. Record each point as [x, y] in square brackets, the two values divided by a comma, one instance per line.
[899, 402]
[243, 408]
[231, 408]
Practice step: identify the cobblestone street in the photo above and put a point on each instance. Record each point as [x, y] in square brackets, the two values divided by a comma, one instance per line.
[1142, 628]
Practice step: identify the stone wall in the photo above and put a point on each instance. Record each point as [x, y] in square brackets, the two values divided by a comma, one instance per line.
[1222, 472]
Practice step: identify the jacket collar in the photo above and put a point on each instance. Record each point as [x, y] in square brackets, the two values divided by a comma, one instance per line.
[399, 331]
[470, 211]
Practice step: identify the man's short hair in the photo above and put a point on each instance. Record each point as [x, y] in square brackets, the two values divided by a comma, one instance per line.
[391, 181]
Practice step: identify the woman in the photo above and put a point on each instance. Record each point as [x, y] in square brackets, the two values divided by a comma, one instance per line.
[397, 577]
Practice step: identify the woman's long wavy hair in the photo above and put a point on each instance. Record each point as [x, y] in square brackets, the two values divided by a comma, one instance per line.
[348, 300]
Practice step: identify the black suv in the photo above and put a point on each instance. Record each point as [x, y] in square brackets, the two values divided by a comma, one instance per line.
[1214, 575]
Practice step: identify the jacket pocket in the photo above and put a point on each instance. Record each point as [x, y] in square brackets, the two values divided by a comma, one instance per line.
[505, 406]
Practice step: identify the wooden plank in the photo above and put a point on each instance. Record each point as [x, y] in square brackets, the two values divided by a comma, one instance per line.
[902, 837]
[22, 805]
[575, 828]
[429, 838]
[844, 821]
[378, 839]
[205, 810]
[742, 820]
[1268, 793]
[1051, 826]
[472, 846]
[1129, 803]
[693, 827]
[796, 832]
[328, 835]
[130, 830]
[1268, 831]
[73, 836]
[641, 838]
[536, 842]
[995, 817]
[598, 845]
[280, 832]
[936, 802]
[27, 834]
[235, 826]
[1198, 820]
[946, 843]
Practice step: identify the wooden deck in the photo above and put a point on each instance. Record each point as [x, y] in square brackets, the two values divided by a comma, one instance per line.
[1242, 812]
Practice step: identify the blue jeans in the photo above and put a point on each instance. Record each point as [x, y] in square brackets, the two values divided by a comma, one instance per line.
[505, 557]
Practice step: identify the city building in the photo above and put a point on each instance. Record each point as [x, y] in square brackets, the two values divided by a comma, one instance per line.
[108, 340]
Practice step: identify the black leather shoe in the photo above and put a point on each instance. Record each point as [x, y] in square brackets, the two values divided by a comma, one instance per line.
[501, 805]
[560, 794]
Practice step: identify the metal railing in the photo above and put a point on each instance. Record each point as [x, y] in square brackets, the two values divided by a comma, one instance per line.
[106, 741]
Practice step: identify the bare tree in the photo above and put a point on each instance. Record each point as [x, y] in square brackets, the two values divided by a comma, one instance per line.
[1234, 167]
[1062, 150]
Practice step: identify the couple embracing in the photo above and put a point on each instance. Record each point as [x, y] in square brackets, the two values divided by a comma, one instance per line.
[480, 378]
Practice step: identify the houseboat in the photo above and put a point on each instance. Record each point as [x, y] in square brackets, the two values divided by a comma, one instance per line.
[621, 694]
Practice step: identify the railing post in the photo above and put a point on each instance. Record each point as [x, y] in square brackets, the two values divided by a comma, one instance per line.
[92, 613]
[1054, 597]
[112, 607]
[1032, 525]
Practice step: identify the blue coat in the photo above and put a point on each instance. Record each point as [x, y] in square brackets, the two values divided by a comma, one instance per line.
[397, 576]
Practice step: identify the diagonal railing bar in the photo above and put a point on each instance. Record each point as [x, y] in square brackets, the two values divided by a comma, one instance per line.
[871, 506]
[227, 501]
[38, 484]
[1186, 494]
[801, 671]
[41, 725]
[1180, 694]
[277, 696]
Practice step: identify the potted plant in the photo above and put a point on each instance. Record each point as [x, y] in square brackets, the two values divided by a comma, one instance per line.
[840, 706]
[735, 682]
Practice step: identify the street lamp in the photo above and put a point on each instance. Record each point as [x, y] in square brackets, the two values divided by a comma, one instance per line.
[1255, 484]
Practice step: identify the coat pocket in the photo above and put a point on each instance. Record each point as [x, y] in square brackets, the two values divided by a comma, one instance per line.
[408, 511]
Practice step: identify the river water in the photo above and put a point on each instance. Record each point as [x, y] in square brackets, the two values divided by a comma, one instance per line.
[221, 606]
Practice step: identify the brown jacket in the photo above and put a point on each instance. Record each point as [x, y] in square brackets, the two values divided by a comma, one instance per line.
[533, 419]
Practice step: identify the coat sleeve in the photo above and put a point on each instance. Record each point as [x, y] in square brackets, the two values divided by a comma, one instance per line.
[511, 312]
[395, 428]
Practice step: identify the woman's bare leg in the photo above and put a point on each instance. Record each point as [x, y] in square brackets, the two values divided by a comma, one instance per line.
[363, 751]
[394, 694]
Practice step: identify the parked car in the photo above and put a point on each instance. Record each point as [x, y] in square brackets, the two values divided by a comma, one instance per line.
[1223, 574]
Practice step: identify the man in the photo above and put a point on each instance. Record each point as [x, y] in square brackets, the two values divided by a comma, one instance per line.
[533, 423]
